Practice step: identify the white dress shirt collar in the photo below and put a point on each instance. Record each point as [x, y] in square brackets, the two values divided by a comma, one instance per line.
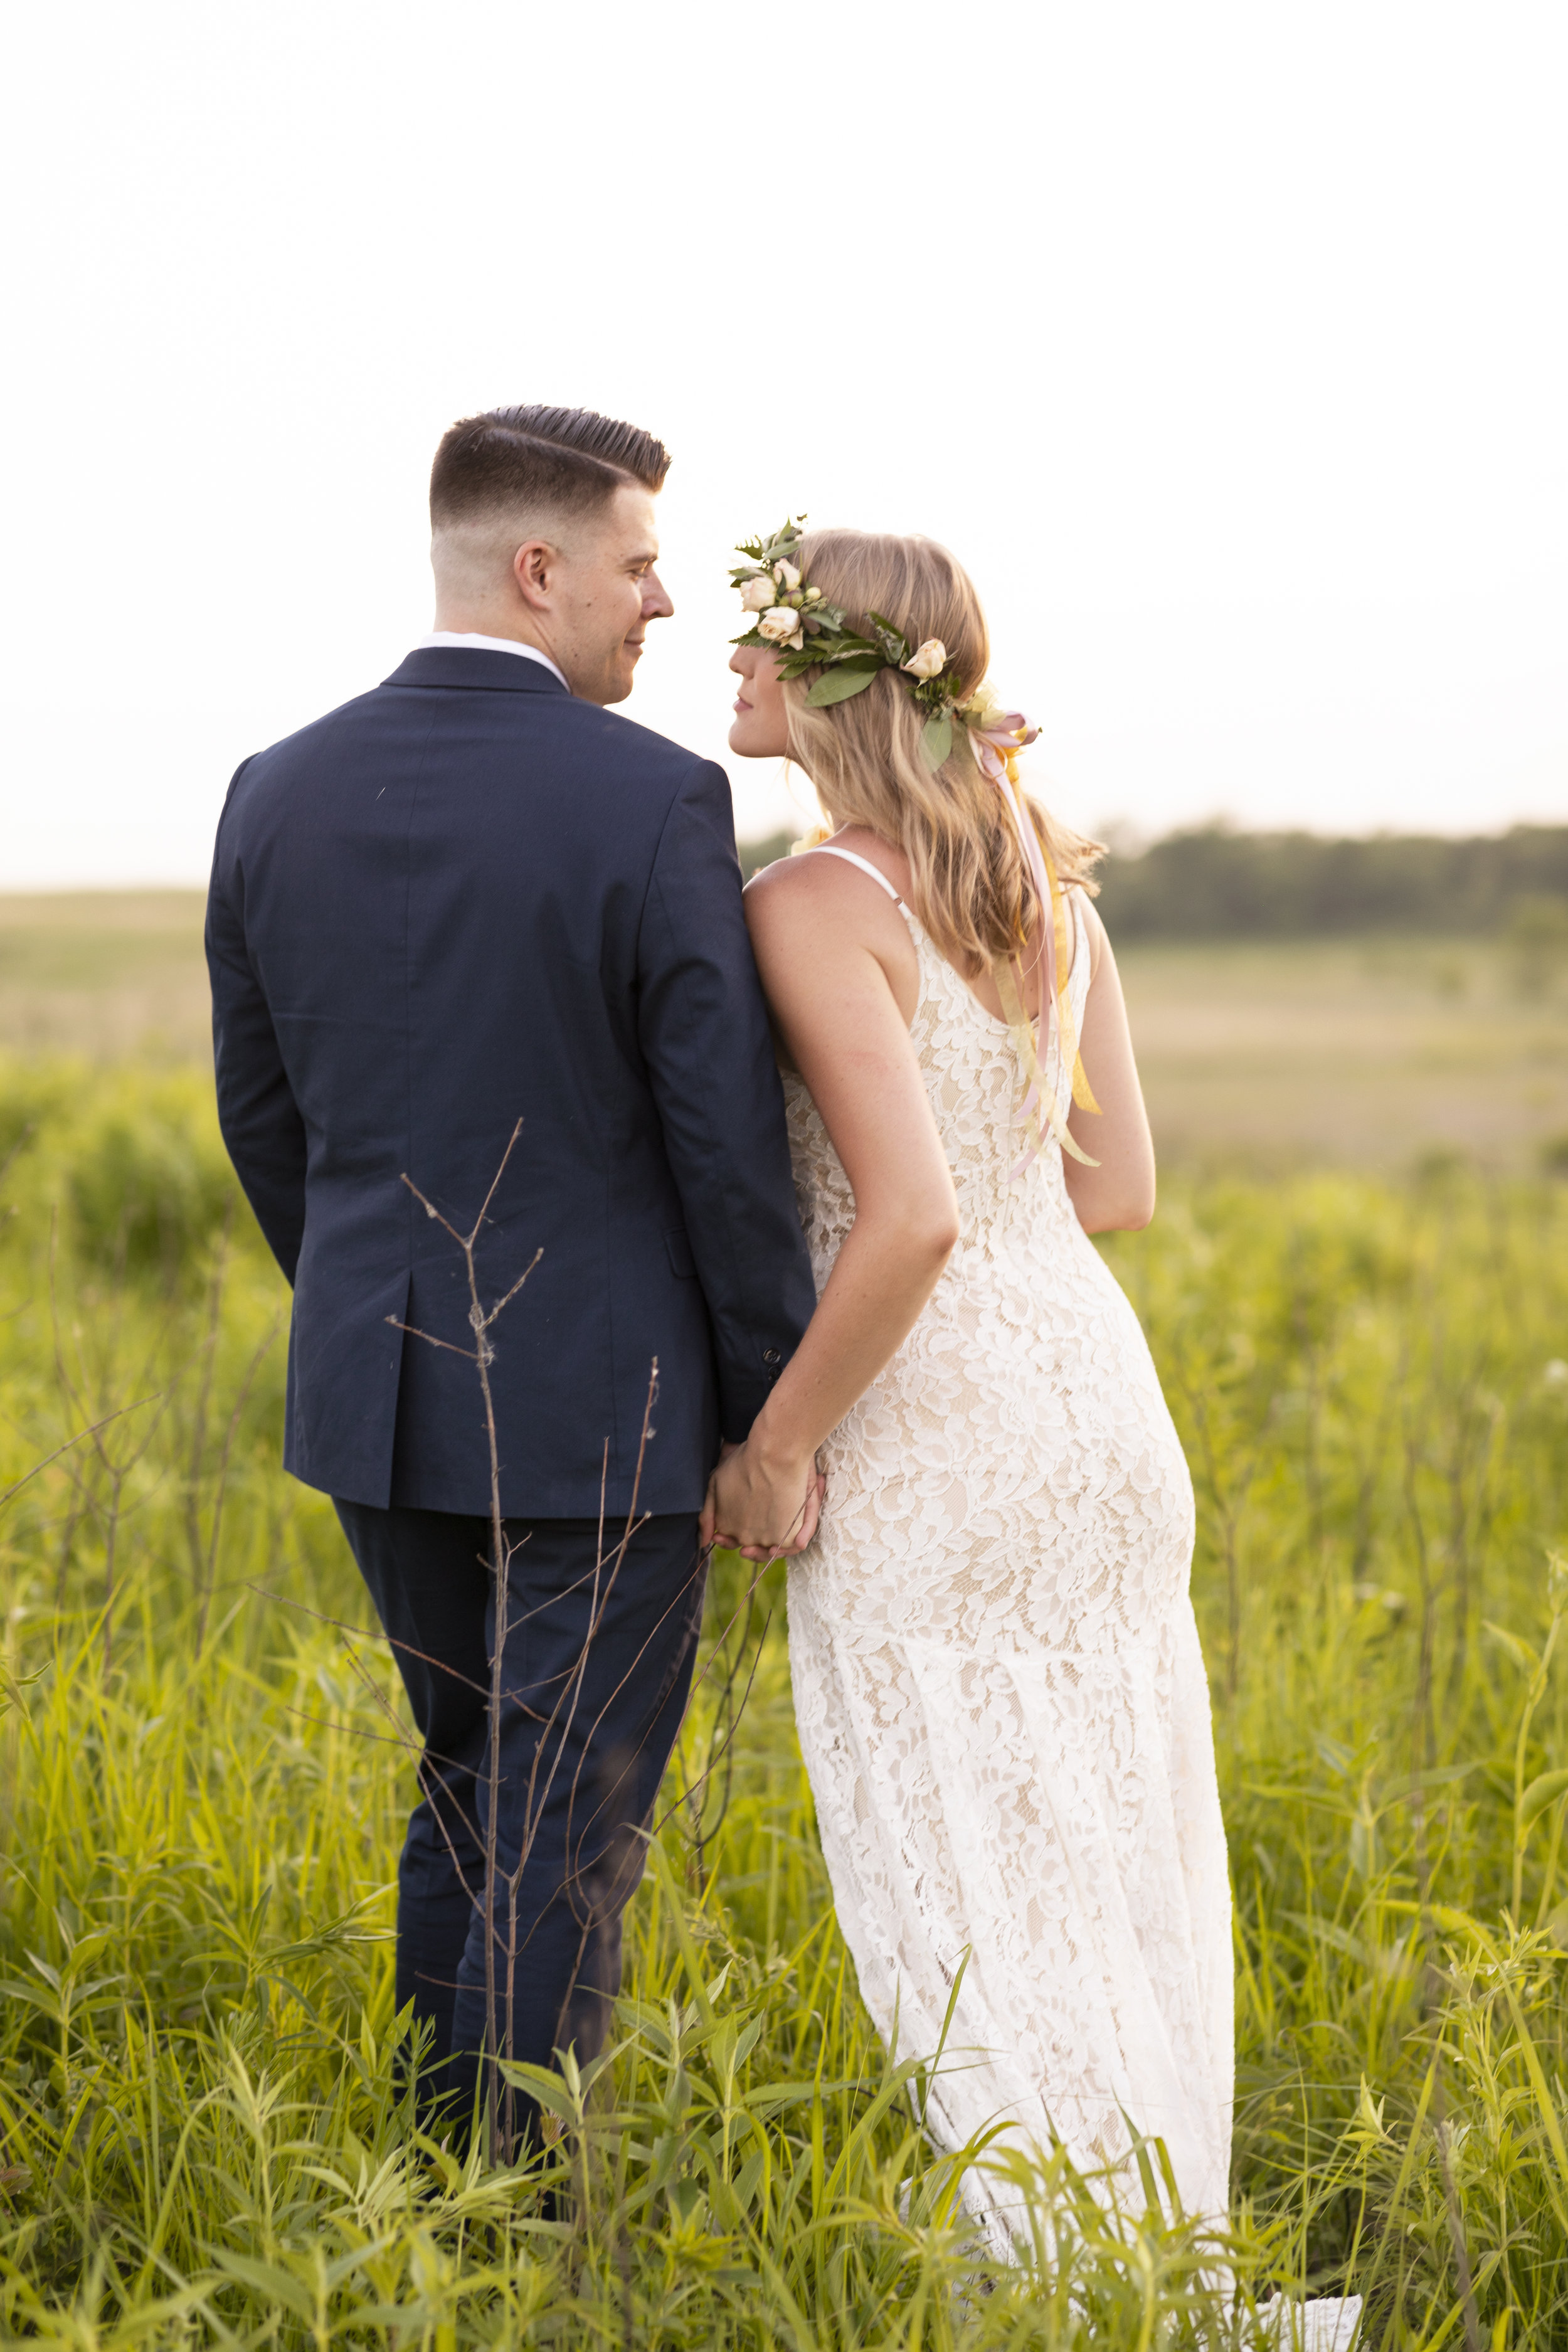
[443, 640]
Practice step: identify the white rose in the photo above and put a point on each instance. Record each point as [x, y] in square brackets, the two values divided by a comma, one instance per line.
[756, 594]
[928, 660]
[781, 627]
[787, 576]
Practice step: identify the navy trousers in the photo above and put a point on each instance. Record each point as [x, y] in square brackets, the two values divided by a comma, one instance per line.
[595, 1671]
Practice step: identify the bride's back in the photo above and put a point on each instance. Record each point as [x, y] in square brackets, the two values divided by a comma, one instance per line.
[916, 770]
[1007, 1193]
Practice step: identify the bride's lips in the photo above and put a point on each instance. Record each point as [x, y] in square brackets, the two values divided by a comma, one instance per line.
[740, 703]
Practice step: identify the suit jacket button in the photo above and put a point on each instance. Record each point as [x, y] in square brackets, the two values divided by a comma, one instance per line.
[769, 1355]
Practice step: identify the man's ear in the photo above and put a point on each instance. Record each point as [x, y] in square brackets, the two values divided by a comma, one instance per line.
[534, 568]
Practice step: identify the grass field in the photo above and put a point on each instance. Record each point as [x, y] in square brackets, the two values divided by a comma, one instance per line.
[201, 2140]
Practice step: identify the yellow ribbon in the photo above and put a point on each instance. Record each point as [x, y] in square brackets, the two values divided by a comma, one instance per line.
[998, 754]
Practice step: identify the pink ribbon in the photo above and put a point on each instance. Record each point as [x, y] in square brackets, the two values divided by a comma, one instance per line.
[993, 746]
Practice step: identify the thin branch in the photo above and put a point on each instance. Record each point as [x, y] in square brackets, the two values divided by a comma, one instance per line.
[468, 1354]
[516, 1286]
[118, 1414]
[432, 1211]
[495, 1183]
[481, 1357]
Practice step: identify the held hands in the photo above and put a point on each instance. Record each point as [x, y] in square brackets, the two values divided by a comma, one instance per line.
[763, 1510]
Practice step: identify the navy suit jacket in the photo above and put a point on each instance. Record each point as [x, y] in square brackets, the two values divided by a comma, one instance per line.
[465, 898]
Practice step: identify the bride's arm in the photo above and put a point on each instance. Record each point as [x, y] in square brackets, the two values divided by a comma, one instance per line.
[828, 946]
[1118, 1195]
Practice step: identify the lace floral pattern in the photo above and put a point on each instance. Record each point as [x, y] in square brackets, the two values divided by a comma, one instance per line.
[1002, 1702]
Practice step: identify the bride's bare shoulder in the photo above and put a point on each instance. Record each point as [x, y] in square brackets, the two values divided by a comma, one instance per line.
[770, 885]
[820, 879]
[815, 919]
[799, 900]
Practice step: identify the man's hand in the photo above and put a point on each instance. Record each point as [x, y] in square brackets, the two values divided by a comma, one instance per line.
[763, 1510]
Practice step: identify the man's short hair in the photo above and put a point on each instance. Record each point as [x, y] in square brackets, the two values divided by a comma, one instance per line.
[538, 460]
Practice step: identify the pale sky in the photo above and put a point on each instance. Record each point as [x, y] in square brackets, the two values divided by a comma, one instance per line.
[1226, 344]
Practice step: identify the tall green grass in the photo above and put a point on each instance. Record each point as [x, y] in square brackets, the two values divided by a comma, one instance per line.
[203, 2136]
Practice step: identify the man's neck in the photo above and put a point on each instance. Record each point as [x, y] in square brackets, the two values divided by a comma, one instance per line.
[465, 622]
[485, 640]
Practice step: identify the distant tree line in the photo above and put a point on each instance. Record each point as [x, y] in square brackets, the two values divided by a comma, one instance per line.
[1212, 882]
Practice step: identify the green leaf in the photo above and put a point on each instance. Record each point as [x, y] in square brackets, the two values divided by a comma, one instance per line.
[266, 2279]
[893, 641]
[837, 686]
[747, 2179]
[685, 2196]
[547, 2089]
[35, 1995]
[936, 739]
[1523, 1656]
[1338, 1939]
[1542, 1792]
[772, 2097]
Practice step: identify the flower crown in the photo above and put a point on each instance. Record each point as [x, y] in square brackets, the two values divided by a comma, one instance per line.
[797, 623]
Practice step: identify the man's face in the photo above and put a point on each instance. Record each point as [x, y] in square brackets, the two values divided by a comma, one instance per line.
[606, 591]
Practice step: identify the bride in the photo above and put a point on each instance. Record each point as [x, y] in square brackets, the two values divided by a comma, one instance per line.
[1003, 1706]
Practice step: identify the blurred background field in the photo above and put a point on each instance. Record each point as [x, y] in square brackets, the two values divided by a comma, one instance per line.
[1294, 1003]
[105, 973]
[1372, 1053]
[1356, 1290]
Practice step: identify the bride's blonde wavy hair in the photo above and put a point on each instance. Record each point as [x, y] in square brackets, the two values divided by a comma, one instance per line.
[970, 885]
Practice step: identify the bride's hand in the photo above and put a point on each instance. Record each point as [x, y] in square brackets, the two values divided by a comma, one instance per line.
[763, 1509]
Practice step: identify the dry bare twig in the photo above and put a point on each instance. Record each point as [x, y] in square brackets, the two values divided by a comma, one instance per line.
[481, 1322]
[118, 1414]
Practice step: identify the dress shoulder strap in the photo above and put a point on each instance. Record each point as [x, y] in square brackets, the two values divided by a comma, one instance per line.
[826, 849]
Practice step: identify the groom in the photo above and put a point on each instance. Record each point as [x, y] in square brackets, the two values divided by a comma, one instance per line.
[472, 897]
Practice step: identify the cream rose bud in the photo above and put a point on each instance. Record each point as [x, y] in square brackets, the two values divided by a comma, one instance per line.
[928, 660]
[779, 626]
[757, 593]
[787, 576]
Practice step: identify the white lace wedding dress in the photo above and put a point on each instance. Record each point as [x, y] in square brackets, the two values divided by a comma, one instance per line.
[1002, 1702]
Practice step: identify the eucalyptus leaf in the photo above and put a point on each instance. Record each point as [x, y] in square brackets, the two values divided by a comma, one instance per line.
[936, 739]
[837, 686]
